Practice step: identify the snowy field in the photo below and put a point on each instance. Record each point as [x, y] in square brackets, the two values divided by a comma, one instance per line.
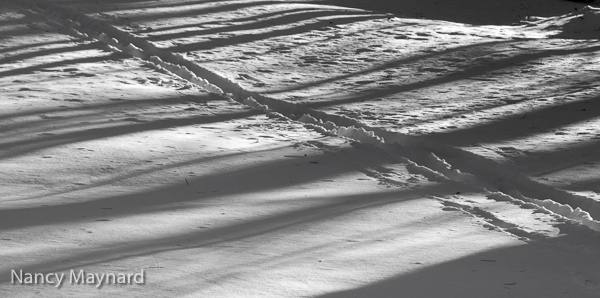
[306, 148]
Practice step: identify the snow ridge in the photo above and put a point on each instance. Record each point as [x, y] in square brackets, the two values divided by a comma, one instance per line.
[582, 23]
[514, 186]
[494, 221]
[351, 132]
[458, 165]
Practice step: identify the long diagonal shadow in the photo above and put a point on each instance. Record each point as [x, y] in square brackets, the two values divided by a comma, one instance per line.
[388, 65]
[334, 206]
[243, 19]
[246, 38]
[134, 173]
[114, 6]
[36, 45]
[521, 270]
[31, 69]
[104, 107]
[452, 77]
[549, 118]
[559, 159]
[48, 141]
[194, 11]
[261, 24]
[552, 88]
[254, 180]
[43, 52]
[487, 12]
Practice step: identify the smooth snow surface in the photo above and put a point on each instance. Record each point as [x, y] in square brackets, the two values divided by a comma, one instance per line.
[301, 148]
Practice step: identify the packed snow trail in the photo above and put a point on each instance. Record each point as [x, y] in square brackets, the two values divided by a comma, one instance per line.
[499, 177]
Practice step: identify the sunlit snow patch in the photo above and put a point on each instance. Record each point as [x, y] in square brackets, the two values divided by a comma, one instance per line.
[567, 211]
[583, 23]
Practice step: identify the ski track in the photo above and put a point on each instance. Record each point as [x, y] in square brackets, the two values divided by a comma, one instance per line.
[502, 183]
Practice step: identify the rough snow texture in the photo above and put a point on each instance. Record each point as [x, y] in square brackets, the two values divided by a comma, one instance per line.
[176, 64]
[584, 23]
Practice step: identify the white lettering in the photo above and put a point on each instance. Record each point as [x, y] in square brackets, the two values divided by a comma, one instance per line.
[47, 279]
[138, 278]
[122, 279]
[14, 275]
[37, 278]
[99, 279]
[76, 279]
[113, 276]
[28, 278]
[90, 278]
[59, 279]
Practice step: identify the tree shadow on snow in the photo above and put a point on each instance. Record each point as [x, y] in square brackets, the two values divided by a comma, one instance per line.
[92, 132]
[44, 52]
[226, 186]
[154, 10]
[287, 19]
[514, 271]
[532, 122]
[463, 74]
[370, 94]
[483, 12]
[264, 175]
[333, 17]
[120, 5]
[62, 63]
[35, 45]
[247, 38]
[538, 121]
[252, 18]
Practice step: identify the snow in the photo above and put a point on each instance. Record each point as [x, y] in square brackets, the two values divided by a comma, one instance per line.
[301, 148]
[582, 23]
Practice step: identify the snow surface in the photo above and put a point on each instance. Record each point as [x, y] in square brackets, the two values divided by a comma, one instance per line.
[301, 148]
